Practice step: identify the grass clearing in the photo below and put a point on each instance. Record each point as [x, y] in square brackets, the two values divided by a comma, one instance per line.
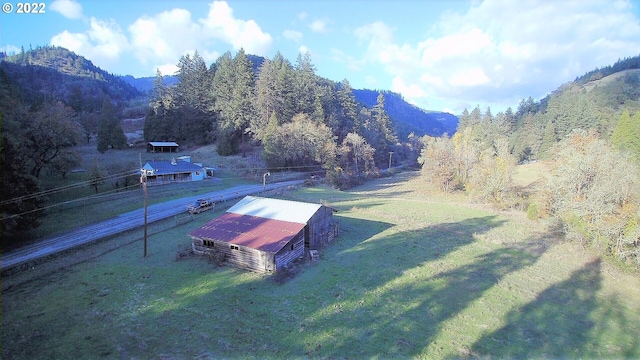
[411, 275]
[526, 174]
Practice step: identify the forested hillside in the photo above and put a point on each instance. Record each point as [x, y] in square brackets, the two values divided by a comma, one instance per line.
[409, 118]
[595, 101]
[60, 73]
[52, 100]
[587, 133]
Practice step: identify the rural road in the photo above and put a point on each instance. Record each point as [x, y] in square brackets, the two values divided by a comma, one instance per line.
[124, 222]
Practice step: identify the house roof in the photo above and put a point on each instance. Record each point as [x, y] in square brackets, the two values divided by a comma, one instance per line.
[163, 143]
[275, 209]
[167, 167]
[251, 231]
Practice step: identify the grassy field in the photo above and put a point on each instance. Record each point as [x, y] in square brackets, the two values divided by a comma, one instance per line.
[411, 275]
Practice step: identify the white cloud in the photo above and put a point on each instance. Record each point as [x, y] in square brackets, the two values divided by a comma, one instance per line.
[68, 8]
[221, 24]
[501, 51]
[341, 57]
[167, 69]
[292, 35]
[303, 49]
[412, 91]
[103, 43]
[10, 49]
[164, 37]
[160, 39]
[319, 26]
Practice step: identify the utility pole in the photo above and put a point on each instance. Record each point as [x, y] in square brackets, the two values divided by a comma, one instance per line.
[264, 181]
[143, 181]
[390, 153]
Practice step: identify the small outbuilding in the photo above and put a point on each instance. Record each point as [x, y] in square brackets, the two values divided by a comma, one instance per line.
[162, 146]
[264, 234]
[165, 172]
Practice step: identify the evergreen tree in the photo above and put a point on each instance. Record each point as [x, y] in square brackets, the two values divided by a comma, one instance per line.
[110, 133]
[273, 94]
[304, 84]
[233, 87]
[346, 119]
[273, 153]
[243, 94]
[549, 138]
[194, 82]
[626, 135]
[510, 120]
[464, 120]
[161, 95]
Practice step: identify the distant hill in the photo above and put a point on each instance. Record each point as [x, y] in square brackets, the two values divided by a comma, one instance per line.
[593, 101]
[47, 73]
[145, 84]
[409, 118]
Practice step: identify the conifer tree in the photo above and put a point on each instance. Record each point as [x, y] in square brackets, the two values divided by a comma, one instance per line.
[626, 135]
[273, 94]
[304, 84]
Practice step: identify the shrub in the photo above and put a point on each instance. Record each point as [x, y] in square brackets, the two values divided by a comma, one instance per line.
[594, 190]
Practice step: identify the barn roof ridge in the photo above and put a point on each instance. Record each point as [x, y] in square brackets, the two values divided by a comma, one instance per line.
[276, 209]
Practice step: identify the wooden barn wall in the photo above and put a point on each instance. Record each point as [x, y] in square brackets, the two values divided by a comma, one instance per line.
[320, 228]
[251, 259]
[286, 255]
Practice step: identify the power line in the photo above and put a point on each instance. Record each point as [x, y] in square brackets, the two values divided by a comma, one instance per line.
[125, 174]
[121, 175]
[110, 192]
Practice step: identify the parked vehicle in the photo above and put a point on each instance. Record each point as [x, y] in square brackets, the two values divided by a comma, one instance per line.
[200, 205]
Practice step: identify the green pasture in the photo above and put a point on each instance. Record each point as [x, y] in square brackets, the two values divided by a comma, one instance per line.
[410, 276]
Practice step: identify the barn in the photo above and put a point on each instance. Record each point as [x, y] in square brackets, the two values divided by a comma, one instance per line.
[264, 234]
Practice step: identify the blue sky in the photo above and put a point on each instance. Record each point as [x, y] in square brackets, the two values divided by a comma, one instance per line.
[440, 55]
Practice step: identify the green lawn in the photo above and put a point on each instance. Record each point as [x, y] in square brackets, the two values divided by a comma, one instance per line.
[411, 275]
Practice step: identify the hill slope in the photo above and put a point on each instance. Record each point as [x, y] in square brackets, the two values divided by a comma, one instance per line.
[594, 101]
[48, 73]
[409, 118]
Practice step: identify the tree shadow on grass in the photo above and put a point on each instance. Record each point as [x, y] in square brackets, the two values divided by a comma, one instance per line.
[396, 308]
[556, 325]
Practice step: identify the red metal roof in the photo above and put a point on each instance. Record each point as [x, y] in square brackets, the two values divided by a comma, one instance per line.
[250, 231]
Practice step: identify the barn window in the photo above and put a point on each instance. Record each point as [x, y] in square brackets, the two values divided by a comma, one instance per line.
[234, 247]
[291, 246]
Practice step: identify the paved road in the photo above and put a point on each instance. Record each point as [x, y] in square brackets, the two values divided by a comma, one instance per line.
[124, 222]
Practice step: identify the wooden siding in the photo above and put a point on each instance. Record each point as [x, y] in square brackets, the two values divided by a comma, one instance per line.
[249, 258]
[293, 251]
[321, 228]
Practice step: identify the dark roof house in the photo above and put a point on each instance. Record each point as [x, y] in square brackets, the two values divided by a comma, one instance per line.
[265, 235]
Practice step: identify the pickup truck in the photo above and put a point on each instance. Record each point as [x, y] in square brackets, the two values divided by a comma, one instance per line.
[200, 205]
